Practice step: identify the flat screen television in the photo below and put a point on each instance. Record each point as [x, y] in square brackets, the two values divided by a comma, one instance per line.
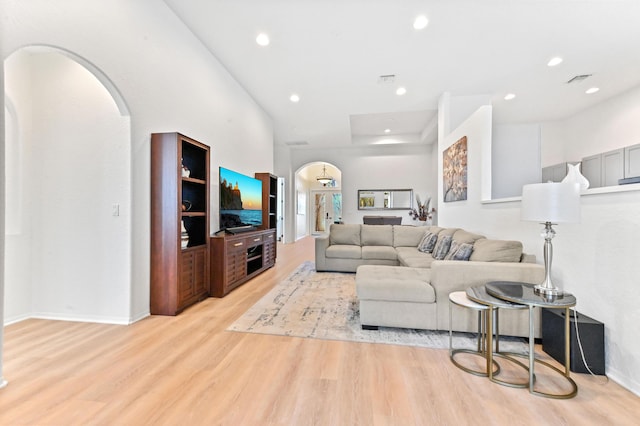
[240, 200]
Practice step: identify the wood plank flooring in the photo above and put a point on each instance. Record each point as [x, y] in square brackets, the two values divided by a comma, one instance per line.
[187, 370]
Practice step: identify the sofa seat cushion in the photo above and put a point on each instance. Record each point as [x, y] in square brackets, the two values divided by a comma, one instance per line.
[379, 252]
[394, 283]
[344, 251]
[410, 256]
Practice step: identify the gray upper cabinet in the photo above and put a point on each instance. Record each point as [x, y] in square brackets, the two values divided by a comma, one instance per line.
[555, 173]
[604, 169]
[592, 169]
[632, 161]
[612, 167]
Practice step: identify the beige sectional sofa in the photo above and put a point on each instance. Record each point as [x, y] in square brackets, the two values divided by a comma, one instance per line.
[400, 286]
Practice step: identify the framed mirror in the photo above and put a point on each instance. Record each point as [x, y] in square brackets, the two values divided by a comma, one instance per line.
[385, 199]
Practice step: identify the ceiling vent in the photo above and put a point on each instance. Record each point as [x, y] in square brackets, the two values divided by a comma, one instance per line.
[297, 143]
[579, 78]
[387, 79]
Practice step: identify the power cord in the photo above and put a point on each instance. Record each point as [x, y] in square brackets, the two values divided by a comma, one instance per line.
[584, 361]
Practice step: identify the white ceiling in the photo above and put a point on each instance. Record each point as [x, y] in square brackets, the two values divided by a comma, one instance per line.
[332, 53]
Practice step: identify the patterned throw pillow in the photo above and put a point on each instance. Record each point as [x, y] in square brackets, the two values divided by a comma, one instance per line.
[442, 247]
[459, 251]
[428, 242]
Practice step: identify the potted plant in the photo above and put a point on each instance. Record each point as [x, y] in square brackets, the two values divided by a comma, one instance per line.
[423, 212]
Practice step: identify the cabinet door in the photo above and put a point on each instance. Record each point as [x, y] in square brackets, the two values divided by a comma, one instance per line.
[559, 172]
[185, 285]
[236, 261]
[592, 169]
[269, 254]
[200, 275]
[612, 167]
[632, 161]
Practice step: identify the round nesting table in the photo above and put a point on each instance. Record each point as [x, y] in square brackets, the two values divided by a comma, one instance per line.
[525, 295]
[459, 298]
[480, 295]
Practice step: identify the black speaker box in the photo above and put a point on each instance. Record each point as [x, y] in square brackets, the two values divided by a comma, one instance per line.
[591, 334]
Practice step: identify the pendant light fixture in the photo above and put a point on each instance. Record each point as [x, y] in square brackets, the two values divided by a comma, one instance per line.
[324, 178]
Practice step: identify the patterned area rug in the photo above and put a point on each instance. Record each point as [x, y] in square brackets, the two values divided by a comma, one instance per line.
[323, 305]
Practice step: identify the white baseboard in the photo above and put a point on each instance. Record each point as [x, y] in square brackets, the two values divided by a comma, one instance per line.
[624, 381]
[16, 319]
[81, 318]
[139, 316]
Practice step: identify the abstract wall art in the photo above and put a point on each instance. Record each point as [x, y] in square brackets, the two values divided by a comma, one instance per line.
[454, 171]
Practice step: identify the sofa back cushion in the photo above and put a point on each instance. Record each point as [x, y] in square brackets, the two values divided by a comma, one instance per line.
[485, 250]
[377, 235]
[461, 236]
[407, 235]
[344, 234]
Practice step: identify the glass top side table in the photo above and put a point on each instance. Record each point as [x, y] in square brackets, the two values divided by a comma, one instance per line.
[479, 295]
[524, 294]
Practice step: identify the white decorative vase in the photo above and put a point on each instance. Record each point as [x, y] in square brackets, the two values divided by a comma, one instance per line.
[184, 235]
[574, 176]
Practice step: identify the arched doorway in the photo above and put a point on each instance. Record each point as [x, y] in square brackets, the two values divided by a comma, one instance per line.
[67, 251]
[318, 198]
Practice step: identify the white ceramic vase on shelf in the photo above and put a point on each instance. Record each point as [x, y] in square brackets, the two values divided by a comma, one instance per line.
[574, 176]
[184, 235]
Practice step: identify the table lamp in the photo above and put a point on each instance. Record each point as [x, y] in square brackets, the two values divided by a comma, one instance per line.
[550, 203]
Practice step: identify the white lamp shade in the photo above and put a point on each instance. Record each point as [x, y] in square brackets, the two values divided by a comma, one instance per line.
[551, 202]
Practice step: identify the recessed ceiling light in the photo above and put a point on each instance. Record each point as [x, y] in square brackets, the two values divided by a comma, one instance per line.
[509, 97]
[420, 22]
[387, 130]
[554, 61]
[294, 98]
[262, 39]
[592, 90]
[401, 91]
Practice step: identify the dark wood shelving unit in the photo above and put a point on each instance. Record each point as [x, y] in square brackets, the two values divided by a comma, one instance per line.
[269, 200]
[179, 274]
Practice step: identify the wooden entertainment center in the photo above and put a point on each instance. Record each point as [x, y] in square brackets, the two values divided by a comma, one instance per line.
[237, 258]
[187, 263]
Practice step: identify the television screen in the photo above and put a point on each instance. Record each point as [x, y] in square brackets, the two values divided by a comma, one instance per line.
[240, 200]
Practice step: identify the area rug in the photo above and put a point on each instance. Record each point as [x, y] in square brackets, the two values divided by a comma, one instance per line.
[323, 305]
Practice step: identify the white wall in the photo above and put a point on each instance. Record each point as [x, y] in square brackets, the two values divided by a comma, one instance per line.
[169, 82]
[70, 260]
[595, 259]
[609, 125]
[376, 167]
[511, 142]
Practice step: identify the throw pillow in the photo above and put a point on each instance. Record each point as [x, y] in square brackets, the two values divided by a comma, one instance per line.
[442, 247]
[459, 251]
[428, 242]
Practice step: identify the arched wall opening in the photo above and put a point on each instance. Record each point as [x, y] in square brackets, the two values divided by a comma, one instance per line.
[317, 204]
[68, 236]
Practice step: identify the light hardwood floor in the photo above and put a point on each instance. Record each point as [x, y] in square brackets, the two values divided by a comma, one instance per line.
[187, 370]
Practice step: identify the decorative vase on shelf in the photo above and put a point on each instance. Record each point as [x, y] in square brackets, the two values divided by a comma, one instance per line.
[185, 171]
[184, 235]
[574, 176]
